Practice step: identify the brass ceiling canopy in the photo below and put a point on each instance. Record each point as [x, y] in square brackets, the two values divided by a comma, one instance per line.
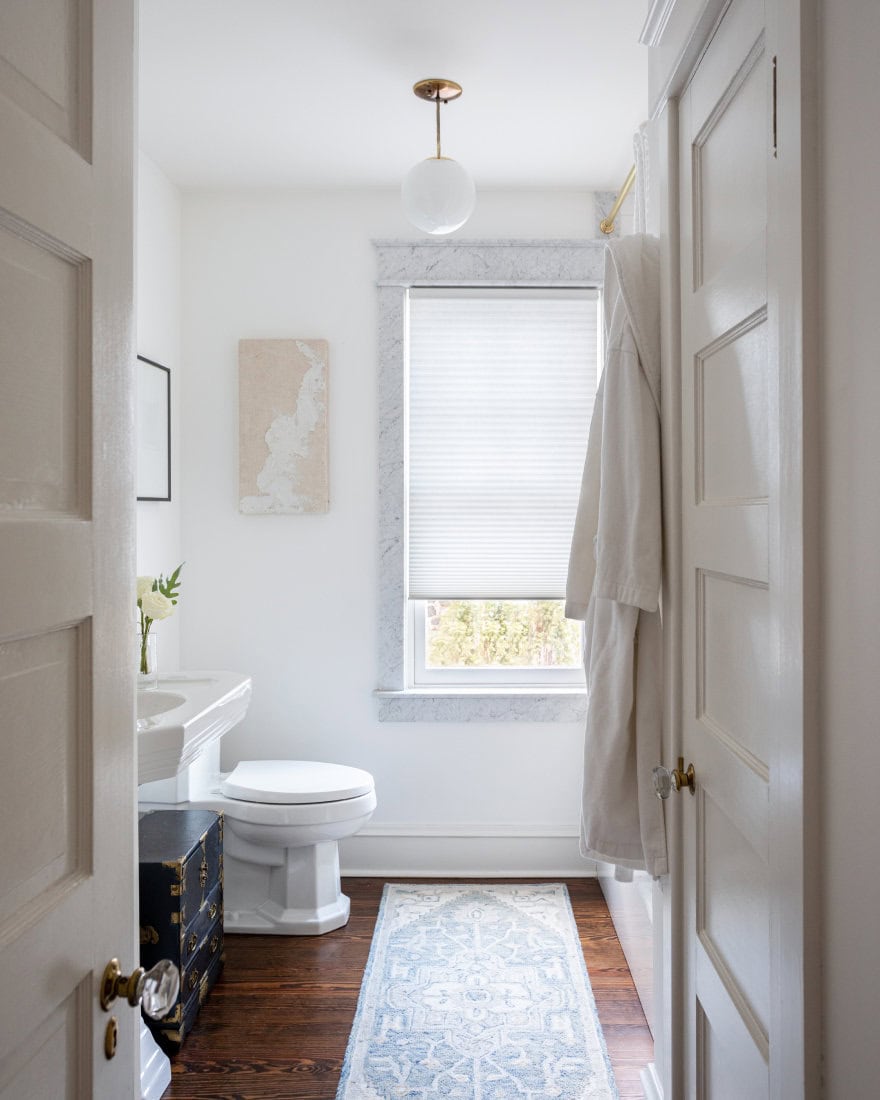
[437, 88]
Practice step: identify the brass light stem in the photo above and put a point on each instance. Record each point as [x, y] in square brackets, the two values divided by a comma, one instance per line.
[439, 90]
[438, 125]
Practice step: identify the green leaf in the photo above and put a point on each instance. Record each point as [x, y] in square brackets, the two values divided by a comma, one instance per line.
[170, 586]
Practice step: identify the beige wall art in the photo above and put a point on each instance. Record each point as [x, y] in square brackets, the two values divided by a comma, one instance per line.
[282, 409]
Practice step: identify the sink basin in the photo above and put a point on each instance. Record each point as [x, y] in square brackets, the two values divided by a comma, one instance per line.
[150, 704]
[188, 711]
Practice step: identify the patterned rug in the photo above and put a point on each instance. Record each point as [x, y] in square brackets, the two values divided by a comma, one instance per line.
[476, 993]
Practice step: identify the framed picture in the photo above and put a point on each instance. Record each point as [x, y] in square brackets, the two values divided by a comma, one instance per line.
[282, 416]
[153, 430]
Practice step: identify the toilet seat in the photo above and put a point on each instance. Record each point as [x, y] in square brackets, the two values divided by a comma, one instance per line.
[294, 782]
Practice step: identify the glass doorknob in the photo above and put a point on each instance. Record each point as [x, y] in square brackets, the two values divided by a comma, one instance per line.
[666, 781]
[155, 990]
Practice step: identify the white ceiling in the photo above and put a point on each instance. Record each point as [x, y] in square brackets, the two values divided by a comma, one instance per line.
[317, 93]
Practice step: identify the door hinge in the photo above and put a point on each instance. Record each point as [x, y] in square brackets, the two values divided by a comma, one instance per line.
[774, 108]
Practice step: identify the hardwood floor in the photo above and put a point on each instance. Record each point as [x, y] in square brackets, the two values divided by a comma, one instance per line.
[276, 1025]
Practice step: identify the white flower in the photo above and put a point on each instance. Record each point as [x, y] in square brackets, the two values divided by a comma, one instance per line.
[156, 606]
[144, 585]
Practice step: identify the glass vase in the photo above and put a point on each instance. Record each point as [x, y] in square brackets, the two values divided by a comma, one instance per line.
[146, 661]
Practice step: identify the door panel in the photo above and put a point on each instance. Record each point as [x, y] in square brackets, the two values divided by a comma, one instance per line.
[729, 1063]
[44, 418]
[729, 168]
[733, 916]
[733, 650]
[66, 545]
[55, 1061]
[42, 706]
[45, 65]
[731, 426]
[729, 675]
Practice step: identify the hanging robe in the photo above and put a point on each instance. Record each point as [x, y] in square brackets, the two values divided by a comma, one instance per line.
[614, 572]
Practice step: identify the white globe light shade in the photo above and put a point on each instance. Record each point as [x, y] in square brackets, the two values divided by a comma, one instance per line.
[438, 195]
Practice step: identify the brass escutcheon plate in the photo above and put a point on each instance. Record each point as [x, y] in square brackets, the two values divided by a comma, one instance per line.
[111, 1038]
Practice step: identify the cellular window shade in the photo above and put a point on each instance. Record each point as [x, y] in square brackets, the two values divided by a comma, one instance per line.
[501, 387]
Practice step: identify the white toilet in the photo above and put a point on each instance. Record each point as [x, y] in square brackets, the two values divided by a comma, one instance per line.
[282, 822]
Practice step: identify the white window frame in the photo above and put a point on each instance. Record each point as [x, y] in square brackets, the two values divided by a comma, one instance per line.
[401, 265]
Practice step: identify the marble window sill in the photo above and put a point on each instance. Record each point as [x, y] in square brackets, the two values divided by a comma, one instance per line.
[482, 704]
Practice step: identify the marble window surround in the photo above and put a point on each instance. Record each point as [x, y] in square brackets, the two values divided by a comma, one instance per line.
[404, 264]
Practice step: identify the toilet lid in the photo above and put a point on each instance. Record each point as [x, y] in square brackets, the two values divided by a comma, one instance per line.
[294, 782]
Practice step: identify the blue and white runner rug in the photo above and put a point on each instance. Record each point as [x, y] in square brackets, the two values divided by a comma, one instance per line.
[476, 993]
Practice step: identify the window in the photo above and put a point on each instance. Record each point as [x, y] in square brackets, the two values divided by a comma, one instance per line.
[431, 594]
[501, 383]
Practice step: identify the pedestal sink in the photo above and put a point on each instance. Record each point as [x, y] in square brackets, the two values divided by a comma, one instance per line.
[185, 713]
[152, 704]
[175, 721]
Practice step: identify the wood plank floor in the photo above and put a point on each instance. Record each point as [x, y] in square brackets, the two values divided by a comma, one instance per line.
[276, 1025]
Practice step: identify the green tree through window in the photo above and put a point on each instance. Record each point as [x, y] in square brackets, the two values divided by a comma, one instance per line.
[500, 634]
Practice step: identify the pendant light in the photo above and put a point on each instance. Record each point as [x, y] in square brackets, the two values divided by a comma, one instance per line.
[438, 194]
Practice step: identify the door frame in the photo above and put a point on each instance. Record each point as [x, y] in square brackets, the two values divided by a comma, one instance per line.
[792, 249]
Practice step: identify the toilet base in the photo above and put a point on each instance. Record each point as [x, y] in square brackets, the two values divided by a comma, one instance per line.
[281, 891]
[269, 919]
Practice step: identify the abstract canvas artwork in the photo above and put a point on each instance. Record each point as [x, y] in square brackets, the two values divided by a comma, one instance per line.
[283, 466]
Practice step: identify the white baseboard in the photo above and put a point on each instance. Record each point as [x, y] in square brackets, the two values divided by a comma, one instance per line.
[651, 1082]
[629, 904]
[479, 828]
[466, 850]
[155, 1067]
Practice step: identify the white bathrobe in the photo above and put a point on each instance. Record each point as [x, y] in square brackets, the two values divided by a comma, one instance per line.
[614, 572]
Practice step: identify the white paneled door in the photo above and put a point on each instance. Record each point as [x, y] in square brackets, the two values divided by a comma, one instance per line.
[732, 584]
[67, 821]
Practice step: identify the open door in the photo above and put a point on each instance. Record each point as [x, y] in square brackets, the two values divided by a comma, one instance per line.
[741, 1008]
[729, 358]
[67, 811]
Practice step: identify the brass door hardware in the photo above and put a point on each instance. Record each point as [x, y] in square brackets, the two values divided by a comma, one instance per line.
[666, 781]
[155, 990]
[111, 1038]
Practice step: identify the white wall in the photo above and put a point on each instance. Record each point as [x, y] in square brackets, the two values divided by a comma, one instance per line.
[158, 293]
[850, 157]
[293, 599]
